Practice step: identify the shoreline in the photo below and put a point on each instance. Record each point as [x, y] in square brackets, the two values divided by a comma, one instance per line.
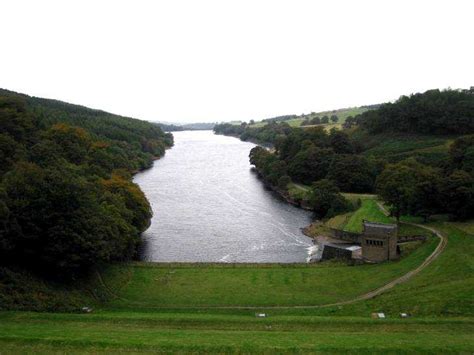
[262, 144]
[281, 193]
[284, 195]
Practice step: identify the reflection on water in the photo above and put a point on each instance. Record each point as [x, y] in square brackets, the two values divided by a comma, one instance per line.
[210, 207]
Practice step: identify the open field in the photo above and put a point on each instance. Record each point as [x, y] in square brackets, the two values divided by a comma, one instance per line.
[181, 285]
[204, 308]
[341, 113]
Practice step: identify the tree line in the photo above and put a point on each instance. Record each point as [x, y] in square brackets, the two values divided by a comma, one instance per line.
[431, 112]
[67, 202]
[319, 120]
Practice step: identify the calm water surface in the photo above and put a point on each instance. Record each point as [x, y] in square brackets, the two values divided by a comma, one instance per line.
[210, 207]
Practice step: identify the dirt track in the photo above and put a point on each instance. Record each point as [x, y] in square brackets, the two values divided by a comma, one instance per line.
[366, 296]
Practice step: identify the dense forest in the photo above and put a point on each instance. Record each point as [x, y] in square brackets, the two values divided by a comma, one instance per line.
[67, 202]
[433, 112]
[422, 180]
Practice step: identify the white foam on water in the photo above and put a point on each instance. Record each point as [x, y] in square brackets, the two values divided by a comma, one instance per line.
[312, 250]
[225, 259]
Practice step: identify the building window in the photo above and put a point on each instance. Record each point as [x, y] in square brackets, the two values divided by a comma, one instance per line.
[375, 243]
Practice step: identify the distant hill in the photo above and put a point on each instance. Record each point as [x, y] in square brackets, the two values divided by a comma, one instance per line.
[169, 127]
[203, 126]
[173, 127]
[316, 118]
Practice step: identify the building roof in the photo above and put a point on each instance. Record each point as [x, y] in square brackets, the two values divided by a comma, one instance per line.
[379, 228]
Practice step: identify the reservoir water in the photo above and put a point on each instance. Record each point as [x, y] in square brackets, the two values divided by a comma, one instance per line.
[208, 206]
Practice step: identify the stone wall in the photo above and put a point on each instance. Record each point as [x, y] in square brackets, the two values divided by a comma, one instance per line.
[347, 236]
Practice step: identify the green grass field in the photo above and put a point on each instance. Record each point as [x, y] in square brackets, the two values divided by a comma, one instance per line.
[204, 333]
[467, 226]
[370, 211]
[181, 285]
[366, 208]
[341, 113]
[204, 308]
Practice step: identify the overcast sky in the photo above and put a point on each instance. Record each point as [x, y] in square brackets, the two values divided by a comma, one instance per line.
[190, 61]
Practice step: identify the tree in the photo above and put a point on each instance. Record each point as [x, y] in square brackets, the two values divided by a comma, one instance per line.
[350, 121]
[268, 165]
[326, 200]
[461, 154]
[410, 187]
[283, 182]
[352, 173]
[340, 142]
[256, 155]
[135, 200]
[457, 191]
[396, 185]
[310, 164]
[325, 119]
[74, 142]
[334, 118]
[10, 151]
[426, 200]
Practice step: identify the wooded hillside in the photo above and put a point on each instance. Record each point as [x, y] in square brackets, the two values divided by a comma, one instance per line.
[67, 202]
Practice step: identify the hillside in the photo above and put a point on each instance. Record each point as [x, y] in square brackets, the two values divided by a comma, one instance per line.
[169, 127]
[143, 139]
[67, 201]
[306, 119]
[435, 111]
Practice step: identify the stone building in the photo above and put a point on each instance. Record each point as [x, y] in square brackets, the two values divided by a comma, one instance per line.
[379, 242]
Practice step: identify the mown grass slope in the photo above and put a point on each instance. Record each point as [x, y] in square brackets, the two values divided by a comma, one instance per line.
[439, 299]
[175, 307]
[175, 285]
[444, 288]
[202, 333]
[369, 210]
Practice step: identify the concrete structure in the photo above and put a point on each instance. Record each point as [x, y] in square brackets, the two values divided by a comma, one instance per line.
[336, 251]
[379, 242]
